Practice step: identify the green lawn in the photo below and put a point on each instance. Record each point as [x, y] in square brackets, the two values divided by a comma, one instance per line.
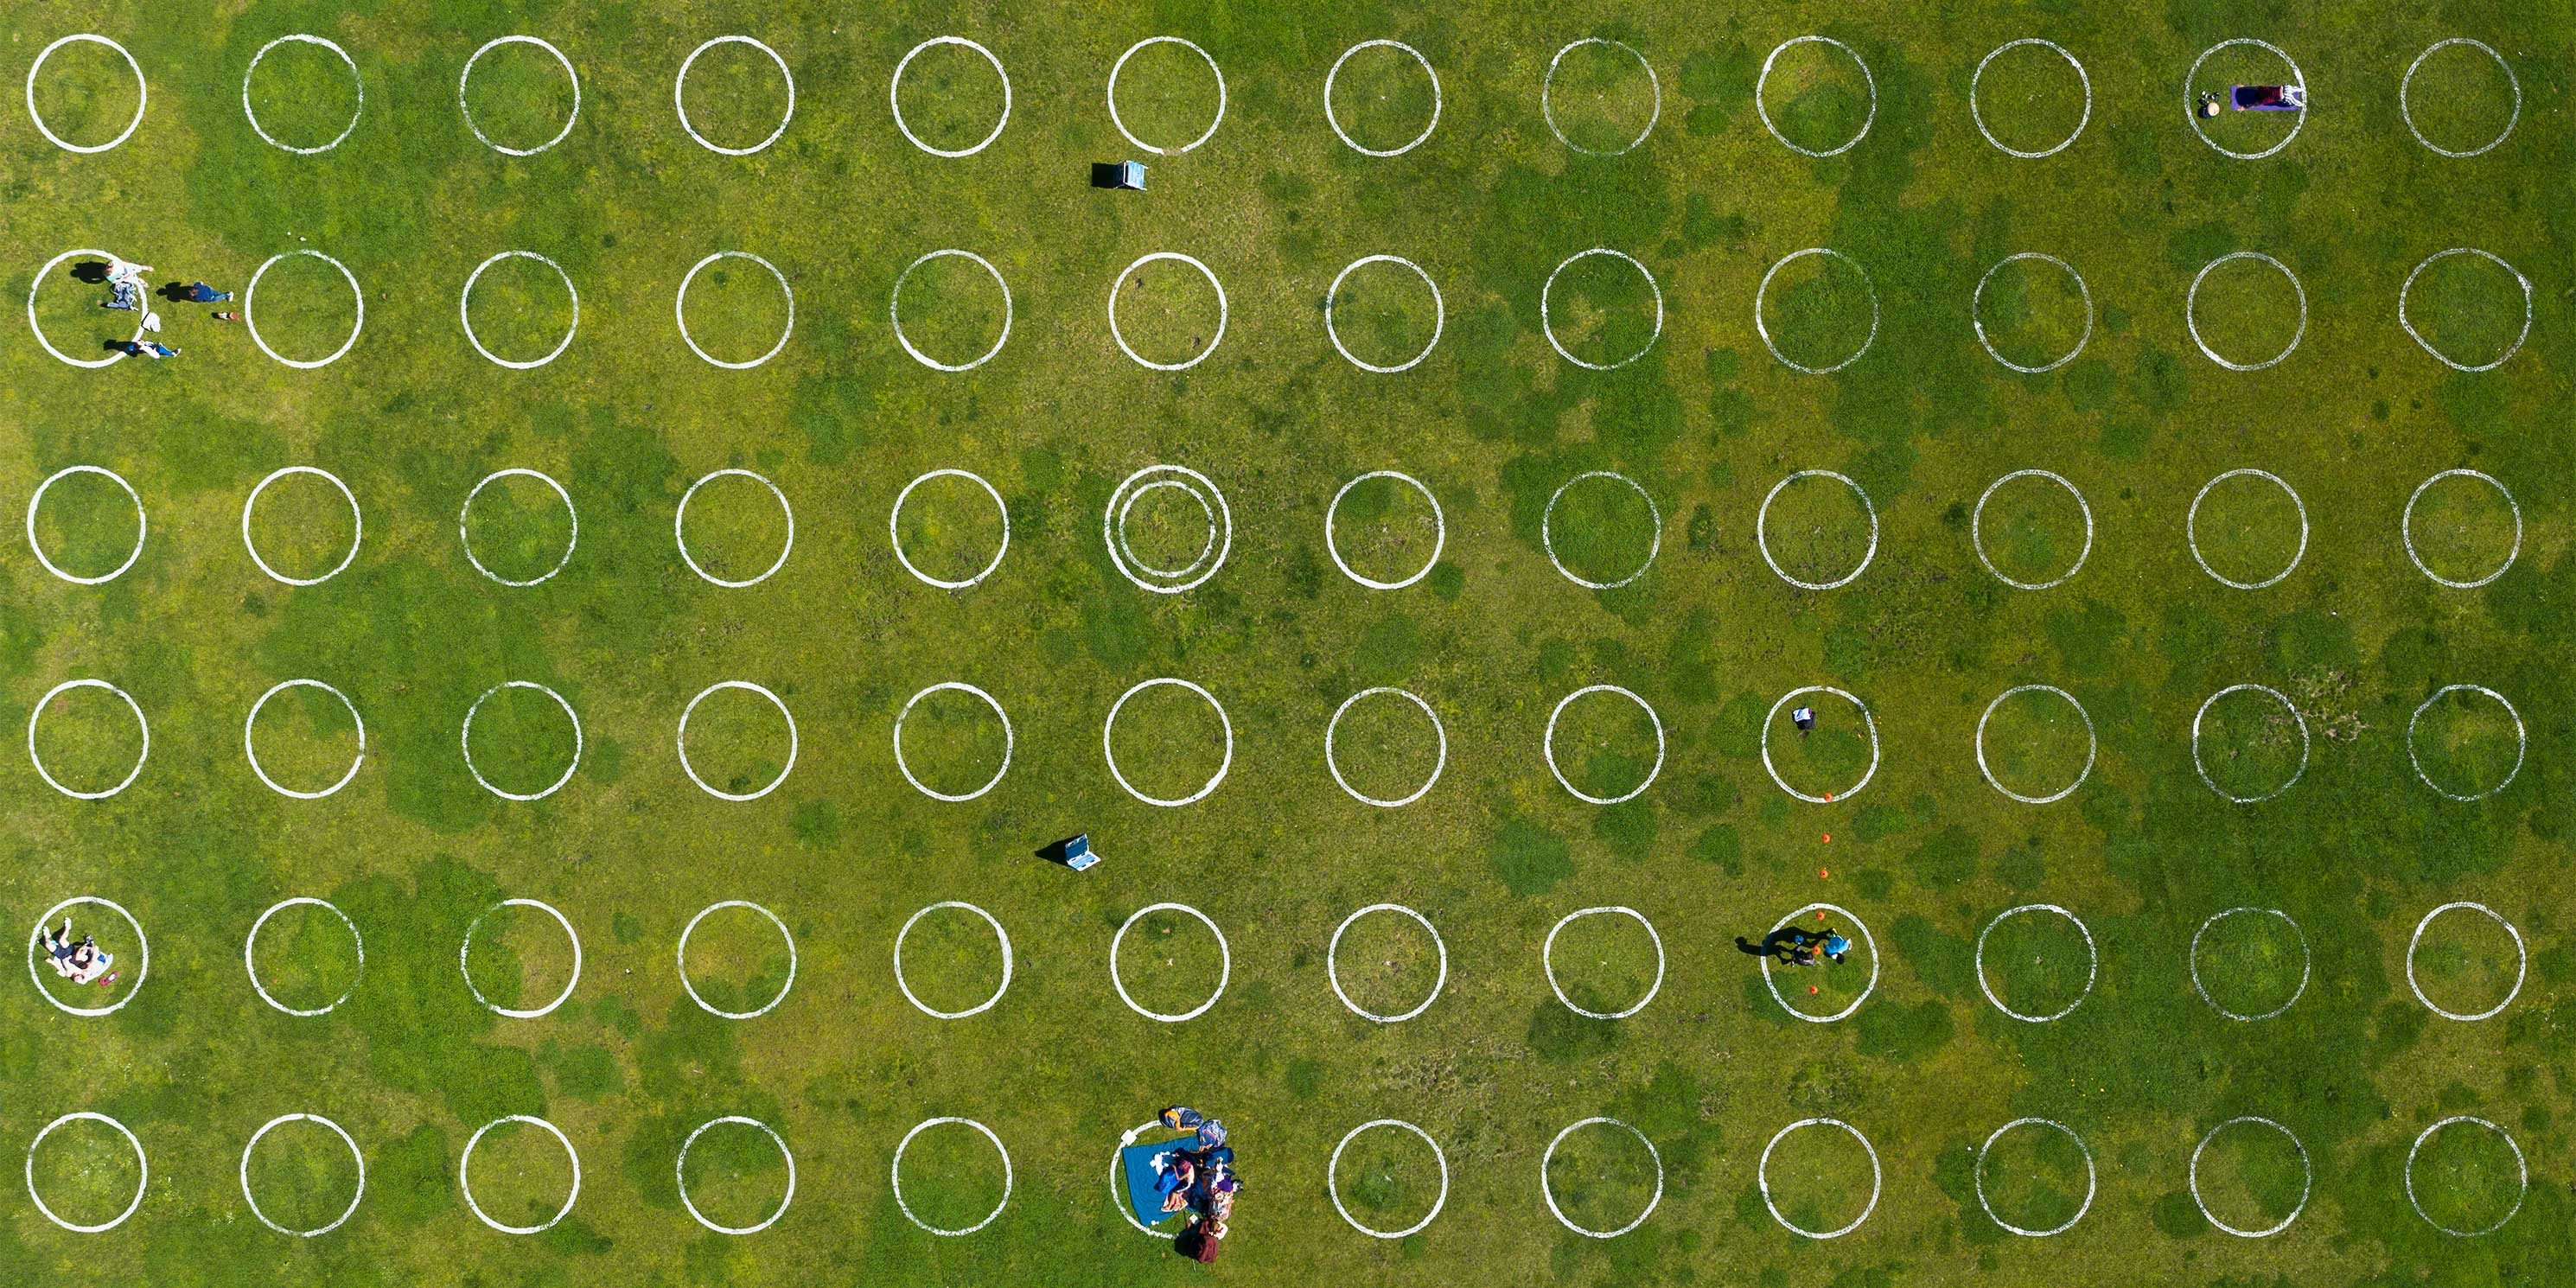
[1983, 315]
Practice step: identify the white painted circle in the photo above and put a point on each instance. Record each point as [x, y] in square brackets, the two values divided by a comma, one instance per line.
[2192, 963]
[302, 38]
[250, 944]
[1439, 529]
[2092, 969]
[1112, 756]
[1979, 323]
[467, 949]
[2521, 1167]
[2080, 122]
[925, 789]
[680, 310]
[1866, 989]
[465, 1168]
[1439, 314]
[894, 312]
[1222, 311]
[2307, 1170]
[681, 957]
[2191, 300]
[2092, 748]
[1549, 287]
[141, 524]
[894, 96]
[682, 106]
[2522, 961]
[1333, 1189]
[1866, 79]
[142, 97]
[1333, 975]
[345, 1139]
[1113, 515]
[1762, 1177]
[2406, 535]
[142, 949]
[2521, 744]
[1762, 521]
[560, 136]
[141, 1184]
[39, 284]
[1547, 746]
[251, 753]
[680, 741]
[679, 532]
[2408, 112]
[1418, 139]
[465, 318]
[1548, 85]
[2191, 114]
[1437, 730]
[250, 322]
[1126, 550]
[680, 1171]
[39, 761]
[1868, 722]
[1121, 65]
[2427, 345]
[1976, 533]
[894, 529]
[467, 539]
[999, 934]
[2090, 1179]
[357, 525]
[1547, 961]
[1763, 329]
[2286, 705]
[466, 738]
[895, 1174]
[1550, 1195]
[2191, 527]
[1225, 957]
[1547, 539]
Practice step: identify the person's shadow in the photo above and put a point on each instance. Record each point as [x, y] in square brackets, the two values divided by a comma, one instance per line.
[1772, 945]
[90, 271]
[174, 292]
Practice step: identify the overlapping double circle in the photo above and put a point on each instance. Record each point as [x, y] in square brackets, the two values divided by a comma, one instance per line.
[895, 1175]
[1223, 311]
[37, 759]
[680, 533]
[2521, 1167]
[1547, 87]
[1762, 329]
[1762, 522]
[2521, 742]
[2191, 528]
[465, 1174]
[1333, 1189]
[466, 539]
[680, 310]
[303, 38]
[1869, 724]
[1866, 79]
[2408, 112]
[142, 98]
[1439, 314]
[2191, 963]
[2307, 1171]
[1000, 935]
[142, 957]
[1439, 529]
[1433, 124]
[1121, 65]
[1111, 754]
[466, 950]
[357, 525]
[1550, 1195]
[250, 319]
[2092, 745]
[2092, 969]
[958, 686]
[1547, 529]
[1976, 529]
[2406, 535]
[142, 1183]
[681, 957]
[1762, 1177]
[894, 529]
[894, 97]
[1978, 323]
[2276, 695]
[894, 312]
[681, 105]
[1547, 960]
[2445, 359]
[2190, 102]
[466, 739]
[2521, 966]
[1547, 745]
[1333, 974]
[1225, 956]
[465, 316]
[680, 741]
[250, 944]
[141, 524]
[1865, 937]
[569, 74]
[251, 753]
[680, 1170]
[355, 1155]
[2090, 1179]
[2191, 301]
[1197, 486]
[1438, 730]
[1548, 288]
[1979, 117]
[39, 331]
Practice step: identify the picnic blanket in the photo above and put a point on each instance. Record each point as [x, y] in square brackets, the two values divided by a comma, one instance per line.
[1143, 1165]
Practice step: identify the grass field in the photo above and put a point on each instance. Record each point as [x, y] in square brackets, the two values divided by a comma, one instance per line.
[2237, 984]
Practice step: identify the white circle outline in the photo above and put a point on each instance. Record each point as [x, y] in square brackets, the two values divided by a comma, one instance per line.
[2287, 705]
[251, 968]
[2080, 122]
[141, 1185]
[1547, 960]
[1761, 1176]
[1762, 520]
[2408, 113]
[895, 1175]
[1763, 329]
[2522, 742]
[1547, 85]
[1113, 513]
[467, 541]
[1333, 975]
[1439, 314]
[2307, 1171]
[1979, 324]
[142, 947]
[303, 38]
[2427, 345]
[680, 958]
[2191, 963]
[2191, 300]
[39, 761]
[959, 686]
[1126, 549]
[38, 284]
[467, 948]
[1547, 747]
[2092, 748]
[1550, 1194]
[2192, 115]
[1222, 311]
[1868, 80]
[2521, 1167]
[465, 739]
[250, 323]
[1117, 1171]
[679, 533]
[251, 754]
[2191, 528]
[1547, 540]
[680, 741]
[2522, 962]
[680, 310]
[682, 107]
[1548, 287]
[1866, 989]
[1439, 529]
[465, 319]
[1868, 721]
[1112, 756]
[468, 112]
[1417, 139]
[142, 97]
[2091, 1181]
[465, 1164]
[1121, 65]
[2406, 521]
[1225, 958]
[894, 97]
[142, 524]
[2092, 970]
[345, 1139]
[1976, 530]
[1333, 1189]
[680, 1174]
[999, 934]
[894, 529]
[894, 312]
[357, 525]
[1437, 766]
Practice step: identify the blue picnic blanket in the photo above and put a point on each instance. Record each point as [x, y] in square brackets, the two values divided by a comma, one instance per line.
[1145, 1164]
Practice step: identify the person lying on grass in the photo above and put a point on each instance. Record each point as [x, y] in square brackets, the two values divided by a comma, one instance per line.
[81, 961]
